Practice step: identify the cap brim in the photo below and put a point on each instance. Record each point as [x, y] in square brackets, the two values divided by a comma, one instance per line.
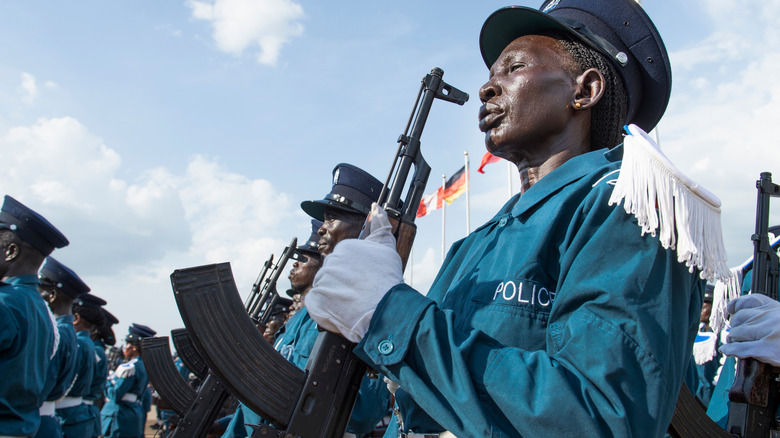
[316, 209]
[507, 24]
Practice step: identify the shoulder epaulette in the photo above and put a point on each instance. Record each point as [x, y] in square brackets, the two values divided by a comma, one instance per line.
[670, 206]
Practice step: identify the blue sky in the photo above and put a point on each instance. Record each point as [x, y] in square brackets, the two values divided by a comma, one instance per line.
[164, 135]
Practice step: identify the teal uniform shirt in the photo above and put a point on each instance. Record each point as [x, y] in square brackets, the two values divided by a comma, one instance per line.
[121, 415]
[555, 318]
[98, 385]
[77, 420]
[26, 347]
[62, 370]
[295, 344]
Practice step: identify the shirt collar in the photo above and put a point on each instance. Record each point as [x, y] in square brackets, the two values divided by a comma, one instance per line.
[26, 279]
[568, 172]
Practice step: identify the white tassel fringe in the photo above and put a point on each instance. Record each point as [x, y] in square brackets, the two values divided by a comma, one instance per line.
[667, 204]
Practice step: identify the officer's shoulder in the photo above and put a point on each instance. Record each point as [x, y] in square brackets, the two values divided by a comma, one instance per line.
[125, 370]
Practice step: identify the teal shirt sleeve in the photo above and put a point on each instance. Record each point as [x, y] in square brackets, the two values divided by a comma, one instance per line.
[616, 341]
[372, 404]
[8, 330]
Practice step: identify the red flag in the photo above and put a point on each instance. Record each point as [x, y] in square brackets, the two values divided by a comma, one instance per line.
[487, 159]
[429, 202]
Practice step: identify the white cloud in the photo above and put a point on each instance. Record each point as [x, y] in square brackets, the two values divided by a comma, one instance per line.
[725, 104]
[128, 236]
[423, 266]
[29, 88]
[240, 24]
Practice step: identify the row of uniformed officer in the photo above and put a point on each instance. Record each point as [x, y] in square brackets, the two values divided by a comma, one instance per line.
[28, 338]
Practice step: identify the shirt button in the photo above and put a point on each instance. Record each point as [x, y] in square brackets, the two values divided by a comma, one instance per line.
[502, 222]
[385, 347]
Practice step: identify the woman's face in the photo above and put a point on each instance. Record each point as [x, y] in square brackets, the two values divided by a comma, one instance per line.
[527, 102]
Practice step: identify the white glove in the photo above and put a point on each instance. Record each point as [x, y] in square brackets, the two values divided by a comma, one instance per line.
[354, 278]
[391, 386]
[755, 329]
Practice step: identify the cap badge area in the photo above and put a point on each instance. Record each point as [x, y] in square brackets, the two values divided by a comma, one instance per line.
[336, 176]
[549, 6]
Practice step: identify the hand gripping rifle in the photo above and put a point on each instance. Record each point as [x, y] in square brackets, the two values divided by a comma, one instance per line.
[316, 402]
[204, 409]
[755, 393]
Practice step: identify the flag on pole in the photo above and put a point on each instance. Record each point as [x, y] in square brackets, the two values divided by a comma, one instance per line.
[429, 202]
[487, 159]
[454, 187]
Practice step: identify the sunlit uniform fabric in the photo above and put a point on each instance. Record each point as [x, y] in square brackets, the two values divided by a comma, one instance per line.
[295, 344]
[60, 375]
[122, 415]
[77, 420]
[26, 347]
[555, 318]
[98, 386]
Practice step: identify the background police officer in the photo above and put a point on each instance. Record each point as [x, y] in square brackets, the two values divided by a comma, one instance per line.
[59, 287]
[27, 333]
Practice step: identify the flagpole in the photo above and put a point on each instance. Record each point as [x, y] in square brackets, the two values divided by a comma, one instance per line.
[443, 211]
[468, 190]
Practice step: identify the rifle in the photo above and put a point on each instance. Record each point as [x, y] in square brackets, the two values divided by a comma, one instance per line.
[268, 295]
[164, 376]
[188, 354]
[316, 402]
[253, 299]
[114, 357]
[754, 395]
[199, 417]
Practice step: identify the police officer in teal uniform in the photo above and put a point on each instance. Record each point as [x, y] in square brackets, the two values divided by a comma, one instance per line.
[27, 328]
[59, 287]
[559, 316]
[123, 415]
[90, 317]
[756, 336]
[339, 215]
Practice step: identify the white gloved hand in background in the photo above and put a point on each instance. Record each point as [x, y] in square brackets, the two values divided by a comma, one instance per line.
[755, 329]
[354, 278]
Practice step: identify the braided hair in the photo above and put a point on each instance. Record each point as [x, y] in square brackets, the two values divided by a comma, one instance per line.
[608, 115]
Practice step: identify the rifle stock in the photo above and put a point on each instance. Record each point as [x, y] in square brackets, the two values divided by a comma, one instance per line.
[754, 395]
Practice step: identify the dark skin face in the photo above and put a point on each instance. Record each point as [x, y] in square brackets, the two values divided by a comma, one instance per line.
[17, 259]
[130, 351]
[273, 326]
[706, 311]
[337, 226]
[59, 303]
[303, 272]
[536, 106]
